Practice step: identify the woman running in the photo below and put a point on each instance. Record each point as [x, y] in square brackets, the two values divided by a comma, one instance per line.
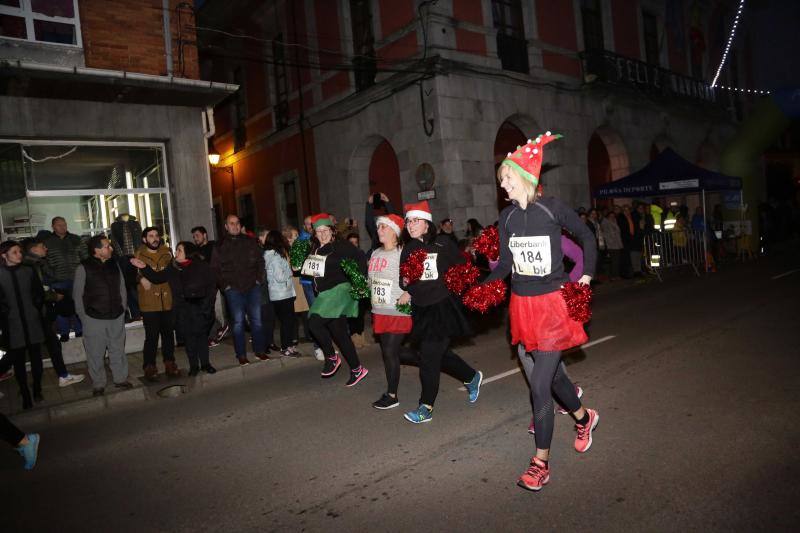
[437, 315]
[333, 304]
[530, 247]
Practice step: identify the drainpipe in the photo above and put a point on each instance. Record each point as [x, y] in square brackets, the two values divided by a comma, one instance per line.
[209, 129]
[165, 7]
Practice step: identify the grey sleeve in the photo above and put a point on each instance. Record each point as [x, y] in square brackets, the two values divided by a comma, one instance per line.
[122, 290]
[78, 286]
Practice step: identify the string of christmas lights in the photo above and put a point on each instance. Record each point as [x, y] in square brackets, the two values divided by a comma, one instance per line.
[740, 90]
[730, 41]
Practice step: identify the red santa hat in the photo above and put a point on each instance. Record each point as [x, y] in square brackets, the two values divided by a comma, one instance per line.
[393, 221]
[419, 210]
[527, 159]
[321, 219]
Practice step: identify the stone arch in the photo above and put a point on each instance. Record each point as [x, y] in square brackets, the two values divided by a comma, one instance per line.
[607, 158]
[512, 132]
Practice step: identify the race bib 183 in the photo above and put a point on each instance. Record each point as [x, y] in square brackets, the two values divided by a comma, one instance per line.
[531, 255]
[381, 292]
[314, 266]
[430, 272]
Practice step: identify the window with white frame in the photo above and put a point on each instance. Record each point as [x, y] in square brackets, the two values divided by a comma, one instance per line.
[43, 21]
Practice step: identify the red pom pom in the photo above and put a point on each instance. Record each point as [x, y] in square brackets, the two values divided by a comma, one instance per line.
[485, 296]
[413, 267]
[488, 243]
[459, 277]
[578, 298]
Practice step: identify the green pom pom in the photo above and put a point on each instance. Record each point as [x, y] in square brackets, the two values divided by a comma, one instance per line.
[403, 308]
[298, 253]
[360, 285]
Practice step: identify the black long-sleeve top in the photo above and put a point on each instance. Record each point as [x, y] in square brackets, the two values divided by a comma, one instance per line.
[426, 292]
[185, 280]
[534, 235]
[335, 252]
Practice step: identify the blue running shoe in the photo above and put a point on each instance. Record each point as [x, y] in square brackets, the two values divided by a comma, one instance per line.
[30, 451]
[474, 386]
[421, 414]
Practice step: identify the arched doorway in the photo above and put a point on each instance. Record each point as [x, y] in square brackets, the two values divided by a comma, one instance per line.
[607, 159]
[508, 138]
[384, 173]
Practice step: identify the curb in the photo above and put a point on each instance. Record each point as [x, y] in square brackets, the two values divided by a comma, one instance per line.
[143, 393]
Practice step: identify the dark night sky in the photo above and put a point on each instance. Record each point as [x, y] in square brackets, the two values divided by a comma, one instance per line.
[774, 34]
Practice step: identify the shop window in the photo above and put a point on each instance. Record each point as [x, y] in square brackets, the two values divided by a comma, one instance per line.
[364, 63]
[650, 27]
[91, 186]
[512, 48]
[44, 21]
[592, 18]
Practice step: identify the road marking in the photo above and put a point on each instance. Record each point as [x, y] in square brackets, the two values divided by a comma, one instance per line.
[516, 370]
[786, 274]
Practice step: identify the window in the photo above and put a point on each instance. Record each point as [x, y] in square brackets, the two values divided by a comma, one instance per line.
[281, 83]
[364, 64]
[512, 48]
[650, 26]
[91, 185]
[239, 111]
[246, 210]
[44, 21]
[592, 18]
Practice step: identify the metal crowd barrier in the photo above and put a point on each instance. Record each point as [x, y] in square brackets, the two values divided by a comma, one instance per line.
[674, 249]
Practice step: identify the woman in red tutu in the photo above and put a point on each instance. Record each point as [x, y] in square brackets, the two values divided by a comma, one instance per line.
[530, 250]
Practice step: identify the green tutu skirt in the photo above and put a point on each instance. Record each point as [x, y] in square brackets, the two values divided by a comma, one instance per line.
[335, 302]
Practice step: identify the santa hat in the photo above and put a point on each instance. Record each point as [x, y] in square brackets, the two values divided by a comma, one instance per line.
[527, 160]
[393, 221]
[321, 219]
[419, 210]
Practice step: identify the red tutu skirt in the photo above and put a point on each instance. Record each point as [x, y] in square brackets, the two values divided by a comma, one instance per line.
[391, 324]
[542, 323]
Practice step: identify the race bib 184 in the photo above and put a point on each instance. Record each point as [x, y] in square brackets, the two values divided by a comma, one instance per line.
[430, 272]
[381, 292]
[531, 255]
[314, 266]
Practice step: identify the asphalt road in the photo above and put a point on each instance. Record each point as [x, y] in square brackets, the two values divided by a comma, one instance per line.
[697, 393]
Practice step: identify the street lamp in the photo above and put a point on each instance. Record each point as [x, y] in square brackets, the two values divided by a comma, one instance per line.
[213, 157]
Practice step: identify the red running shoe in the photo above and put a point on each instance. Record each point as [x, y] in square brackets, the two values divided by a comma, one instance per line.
[583, 440]
[536, 476]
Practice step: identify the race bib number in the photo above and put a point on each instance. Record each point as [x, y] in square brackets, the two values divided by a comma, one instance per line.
[381, 292]
[314, 266]
[531, 255]
[430, 272]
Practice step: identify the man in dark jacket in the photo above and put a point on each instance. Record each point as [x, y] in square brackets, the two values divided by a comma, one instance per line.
[238, 265]
[100, 298]
[65, 253]
[21, 298]
[36, 257]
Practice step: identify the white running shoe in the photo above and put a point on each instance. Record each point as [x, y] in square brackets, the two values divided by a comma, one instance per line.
[70, 379]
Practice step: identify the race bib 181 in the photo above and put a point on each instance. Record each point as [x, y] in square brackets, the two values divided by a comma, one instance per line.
[314, 266]
[430, 272]
[381, 292]
[531, 255]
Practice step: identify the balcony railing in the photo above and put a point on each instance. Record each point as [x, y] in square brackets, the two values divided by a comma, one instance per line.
[608, 67]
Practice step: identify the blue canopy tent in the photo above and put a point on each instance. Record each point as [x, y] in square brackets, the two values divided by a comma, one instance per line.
[669, 174]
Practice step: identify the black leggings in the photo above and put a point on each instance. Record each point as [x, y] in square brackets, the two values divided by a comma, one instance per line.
[547, 378]
[284, 309]
[9, 432]
[326, 331]
[394, 355]
[435, 357]
[17, 356]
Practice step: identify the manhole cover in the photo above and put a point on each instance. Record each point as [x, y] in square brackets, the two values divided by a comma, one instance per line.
[173, 391]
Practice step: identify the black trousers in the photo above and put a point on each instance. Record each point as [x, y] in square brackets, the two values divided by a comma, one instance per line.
[284, 311]
[356, 324]
[158, 324]
[396, 354]
[53, 346]
[194, 324]
[435, 357]
[9, 432]
[268, 323]
[326, 331]
[17, 357]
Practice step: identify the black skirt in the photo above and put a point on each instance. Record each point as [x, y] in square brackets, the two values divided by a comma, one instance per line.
[444, 319]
